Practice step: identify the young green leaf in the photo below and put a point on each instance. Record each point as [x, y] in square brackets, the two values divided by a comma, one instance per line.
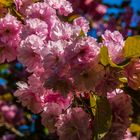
[104, 57]
[135, 128]
[132, 47]
[93, 103]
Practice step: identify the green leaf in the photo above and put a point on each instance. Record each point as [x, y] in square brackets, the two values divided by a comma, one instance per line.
[71, 18]
[132, 47]
[17, 14]
[135, 128]
[93, 103]
[123, 79]
[3, 67]
[82, 34]
[7, 97]
[46, 131]
[103, 117]
[104, 57]
[6, 3]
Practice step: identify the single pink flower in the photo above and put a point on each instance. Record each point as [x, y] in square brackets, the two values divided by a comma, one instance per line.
[53, 59]
[29, 98]
[10, 29]
[82, 23]
[36, 26]
[115, 43]
[29, 52]
[83, 53]
[7, 53]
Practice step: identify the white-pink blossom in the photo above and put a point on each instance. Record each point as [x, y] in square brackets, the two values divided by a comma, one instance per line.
[115, 43]
[29, 52]
[36, 26]
[82, 23]
[64, 7]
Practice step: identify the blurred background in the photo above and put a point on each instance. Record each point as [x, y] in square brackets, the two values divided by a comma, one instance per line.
[17, 122]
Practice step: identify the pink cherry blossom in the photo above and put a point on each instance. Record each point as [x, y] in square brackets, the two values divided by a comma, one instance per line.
[56, 97]
[69, 125]
[83, 58]
[21, 5]
[40, 10]
[132, 72]
[29, 52]
[53, 59]
[28, 98]
[49, 116]
[65, 67]
[63, 31]
[82, 23]
[83, 53]
[10, 29]
[36, 26]
[7, 52]
[36, 84]
[63, 6]
[101, 9]
[114, 42]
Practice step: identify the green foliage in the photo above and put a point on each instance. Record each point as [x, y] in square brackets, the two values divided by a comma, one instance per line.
[132, 47]
[102, 116]
[3, 67]
[93, 103]
[6, 97]
[71, 18]
[135, 128]
[104, 57]
[7, 3]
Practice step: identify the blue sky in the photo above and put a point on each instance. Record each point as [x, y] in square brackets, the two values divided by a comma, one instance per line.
[112, 2]
[135, 4]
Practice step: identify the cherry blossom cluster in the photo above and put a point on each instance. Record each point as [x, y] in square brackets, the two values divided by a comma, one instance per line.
[66, 70]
